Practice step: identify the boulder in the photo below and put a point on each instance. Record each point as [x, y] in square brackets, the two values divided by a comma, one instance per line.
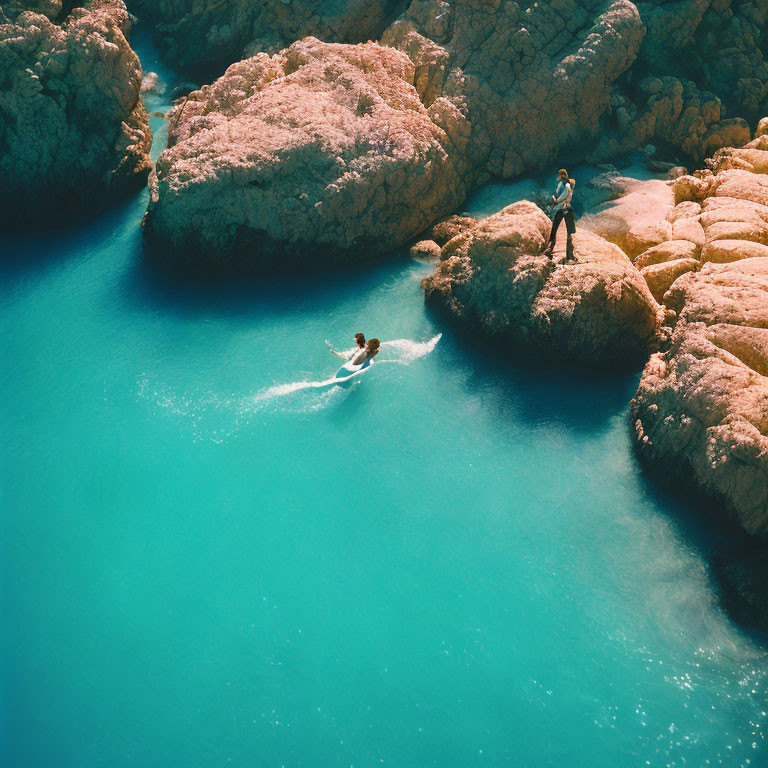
[320, 154]
[425, 249]
[151, 83]
[530, 83]
[660, 277]
[73, 129]
[671, 250]
[325, 149]
[637, 220]
[596, 309]
[733, 250]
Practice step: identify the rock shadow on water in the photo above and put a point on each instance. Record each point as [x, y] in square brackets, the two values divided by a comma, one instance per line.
[737, 562]
[30, 248]
[582, 398]
[239, 292]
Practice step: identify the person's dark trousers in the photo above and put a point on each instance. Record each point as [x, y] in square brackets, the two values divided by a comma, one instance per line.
[570, 226]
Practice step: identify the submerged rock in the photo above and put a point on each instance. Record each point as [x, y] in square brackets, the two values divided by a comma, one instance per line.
[73, 128]
[596, 309]
[320, 154]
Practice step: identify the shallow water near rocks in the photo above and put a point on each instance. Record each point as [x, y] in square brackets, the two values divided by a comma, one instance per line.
[207, 560]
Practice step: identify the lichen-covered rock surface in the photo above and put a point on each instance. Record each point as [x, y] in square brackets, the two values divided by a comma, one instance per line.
[701, 410]
[596, 308]
[320, 154]
[73, 128]
[360, 147]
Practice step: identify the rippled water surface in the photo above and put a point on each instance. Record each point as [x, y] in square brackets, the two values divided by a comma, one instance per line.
[207, 560]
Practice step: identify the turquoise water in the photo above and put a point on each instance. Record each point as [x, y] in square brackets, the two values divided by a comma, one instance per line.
[452, 562]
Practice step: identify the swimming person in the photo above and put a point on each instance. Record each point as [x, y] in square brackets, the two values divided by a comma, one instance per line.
[562, 210]
[359, 345]
[361, 359]
[371, 350]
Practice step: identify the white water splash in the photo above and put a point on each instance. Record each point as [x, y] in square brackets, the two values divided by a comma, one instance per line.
[215, 417]
[410, 350]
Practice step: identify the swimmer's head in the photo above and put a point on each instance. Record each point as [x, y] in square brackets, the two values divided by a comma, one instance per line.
[360, 340]
[372, 345]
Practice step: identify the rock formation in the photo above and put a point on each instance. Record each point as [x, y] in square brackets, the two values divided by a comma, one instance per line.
[635, 220]
[322, 153]
[701, 411]
[72, 125]
[718, 44]
[200, 36]
[511, 85]
[358, 148]
[595, 309]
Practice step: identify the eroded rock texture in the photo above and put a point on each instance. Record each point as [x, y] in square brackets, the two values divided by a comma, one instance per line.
[321, 153]
[718, 44]
[72, 125]
[529, 82]
[701, 411]
[595, 309]
[514, 85]
[361, 147]
[200, 34]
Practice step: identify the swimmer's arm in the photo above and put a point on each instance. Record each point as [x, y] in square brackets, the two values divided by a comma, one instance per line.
[338, 354]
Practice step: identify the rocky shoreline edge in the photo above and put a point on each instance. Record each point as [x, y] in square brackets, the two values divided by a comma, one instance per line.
[677, 277]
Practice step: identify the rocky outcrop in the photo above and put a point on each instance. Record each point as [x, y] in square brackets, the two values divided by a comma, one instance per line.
[200, 36]
[322, 153]
[360, 147]
[529, 83]
[636, 220]
[718, 44]
[596, 308]
[73, 129]
[701, 410]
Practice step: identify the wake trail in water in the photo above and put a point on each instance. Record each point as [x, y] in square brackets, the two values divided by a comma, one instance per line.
[215, 417]
[408, 351]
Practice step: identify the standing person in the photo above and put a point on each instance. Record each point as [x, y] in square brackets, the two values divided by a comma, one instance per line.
[359, 345]
[562, 210]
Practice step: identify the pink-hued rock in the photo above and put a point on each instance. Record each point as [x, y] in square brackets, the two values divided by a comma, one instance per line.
[512, 86]
[425, 249]
[637, 220]
[73, 128]
[595, 309]
[660, 277]
[322, 153]
[701, 410]
[332, 145]
[530, 84]
[670, 250]
[733, 250]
